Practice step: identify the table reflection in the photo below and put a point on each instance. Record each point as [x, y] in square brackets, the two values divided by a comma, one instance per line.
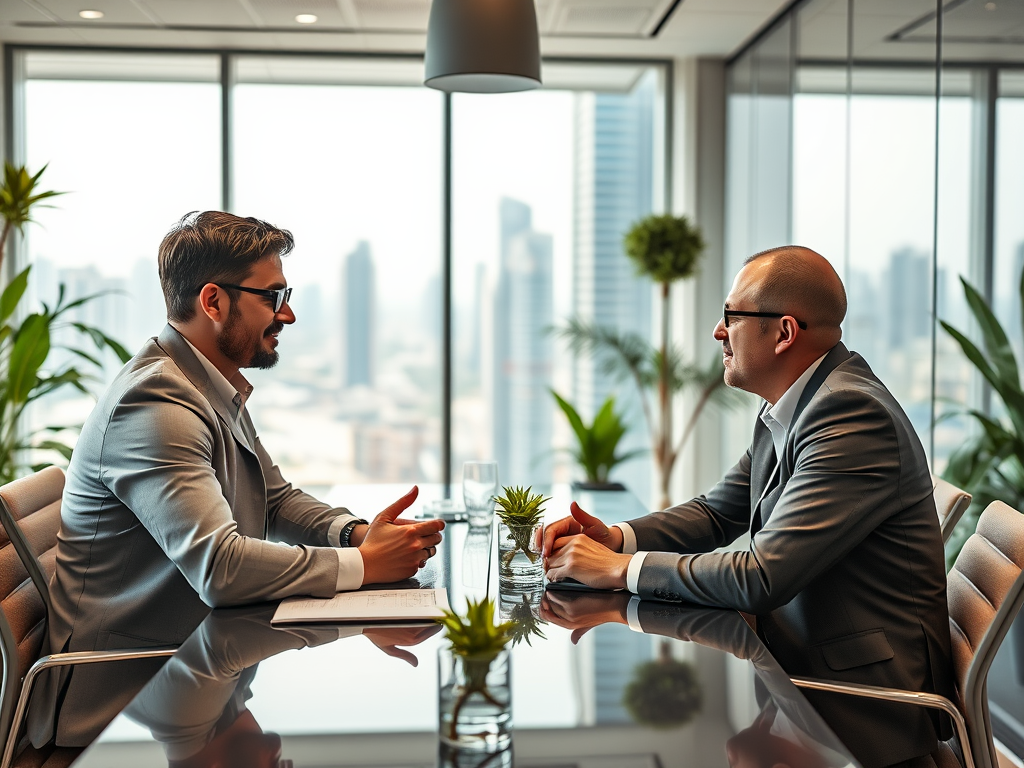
[695, 688]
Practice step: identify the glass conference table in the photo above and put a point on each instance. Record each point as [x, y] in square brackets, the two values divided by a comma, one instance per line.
[241, 693]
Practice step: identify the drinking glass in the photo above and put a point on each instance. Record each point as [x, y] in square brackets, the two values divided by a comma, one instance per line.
[479, 487]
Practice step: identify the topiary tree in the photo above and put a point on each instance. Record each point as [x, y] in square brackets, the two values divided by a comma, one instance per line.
[665, 249]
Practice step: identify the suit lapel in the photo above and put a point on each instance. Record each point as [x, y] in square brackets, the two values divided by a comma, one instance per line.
[765, 472]
[836, 356]
[762, 469]
[174, 344]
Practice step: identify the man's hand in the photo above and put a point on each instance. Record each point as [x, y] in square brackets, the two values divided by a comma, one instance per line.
[583, 559]
[394, 549]
[581, 522]
[389, 639]
[582, 612]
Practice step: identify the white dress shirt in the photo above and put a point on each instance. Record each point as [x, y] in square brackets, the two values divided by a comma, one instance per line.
[350, 560]
[777, 418]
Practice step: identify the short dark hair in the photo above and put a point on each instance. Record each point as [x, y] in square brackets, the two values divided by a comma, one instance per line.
[800, 282]
[213, 247]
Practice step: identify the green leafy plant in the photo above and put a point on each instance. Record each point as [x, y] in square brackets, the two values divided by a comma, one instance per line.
[476, 640]
[18, 196]
[989, 464]
[665, 249]
[521, 511]
[664, 693]
[25, 346]
[597, 443]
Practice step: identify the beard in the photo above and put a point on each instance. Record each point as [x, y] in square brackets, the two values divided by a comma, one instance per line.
[244, 347]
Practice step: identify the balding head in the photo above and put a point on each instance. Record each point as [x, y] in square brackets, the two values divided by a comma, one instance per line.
[797, 281]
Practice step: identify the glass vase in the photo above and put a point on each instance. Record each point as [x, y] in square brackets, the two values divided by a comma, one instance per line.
[475, 701]
[520, 564]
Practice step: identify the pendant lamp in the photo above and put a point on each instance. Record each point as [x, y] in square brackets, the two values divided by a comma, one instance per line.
[482, 46]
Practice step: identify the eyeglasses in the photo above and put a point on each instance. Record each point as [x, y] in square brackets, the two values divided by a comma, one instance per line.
[277, 296]
[727, 313]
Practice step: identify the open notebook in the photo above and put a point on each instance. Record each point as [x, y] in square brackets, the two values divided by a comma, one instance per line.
[365, 607]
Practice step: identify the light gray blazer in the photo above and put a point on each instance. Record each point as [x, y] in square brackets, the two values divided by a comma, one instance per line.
[845, 568]
[168, 510]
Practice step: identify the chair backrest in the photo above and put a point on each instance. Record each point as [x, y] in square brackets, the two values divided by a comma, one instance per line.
[29, 521]
[950, 503]
[985, 589]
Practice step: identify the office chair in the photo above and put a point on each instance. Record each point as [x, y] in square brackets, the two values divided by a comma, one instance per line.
[985, 589]
[951, 503]
[29, 521]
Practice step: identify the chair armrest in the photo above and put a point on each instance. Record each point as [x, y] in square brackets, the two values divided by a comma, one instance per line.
[918, 698]
[64, 660]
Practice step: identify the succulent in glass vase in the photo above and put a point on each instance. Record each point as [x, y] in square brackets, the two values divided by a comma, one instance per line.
[521, 514]
[475, 688]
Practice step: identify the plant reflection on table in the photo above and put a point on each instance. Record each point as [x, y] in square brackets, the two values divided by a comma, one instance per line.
[786, 732]
[195, 706]
[522, 610]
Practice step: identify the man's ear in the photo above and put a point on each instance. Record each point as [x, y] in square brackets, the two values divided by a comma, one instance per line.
[786, 335]
[214, 302]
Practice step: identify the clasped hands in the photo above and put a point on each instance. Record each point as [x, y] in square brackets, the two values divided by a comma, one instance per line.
[394, 548]
[583, 548]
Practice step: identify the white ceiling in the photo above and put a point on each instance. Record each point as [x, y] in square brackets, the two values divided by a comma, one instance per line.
[885, 29]
[614, 28]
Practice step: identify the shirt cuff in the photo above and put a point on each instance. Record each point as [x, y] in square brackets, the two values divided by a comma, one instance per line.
[334, 532]
[633, 572]
[633, 614]
[628, 538]
[350, 569]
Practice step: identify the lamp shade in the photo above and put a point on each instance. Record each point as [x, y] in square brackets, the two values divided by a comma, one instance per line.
[482, 46]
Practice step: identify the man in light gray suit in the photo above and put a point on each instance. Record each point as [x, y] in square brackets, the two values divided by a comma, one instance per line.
[172, 505]
[844, 571]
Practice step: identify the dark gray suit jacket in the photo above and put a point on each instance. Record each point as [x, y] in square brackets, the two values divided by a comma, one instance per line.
[845, 566]
[167, 512]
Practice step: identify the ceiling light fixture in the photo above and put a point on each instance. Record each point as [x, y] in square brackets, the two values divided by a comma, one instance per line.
[306, 18]
[91, 15]
[990, 6]
[482, 47]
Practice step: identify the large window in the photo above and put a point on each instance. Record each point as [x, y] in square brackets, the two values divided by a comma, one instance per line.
[355, 172]
[349, 154]
[865, 154]
[134, 141]
[546, 184]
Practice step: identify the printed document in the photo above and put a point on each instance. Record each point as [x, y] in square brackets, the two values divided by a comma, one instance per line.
[375, 605]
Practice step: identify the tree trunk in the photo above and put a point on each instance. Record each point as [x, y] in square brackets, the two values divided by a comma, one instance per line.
[663, 452]
[3, 243]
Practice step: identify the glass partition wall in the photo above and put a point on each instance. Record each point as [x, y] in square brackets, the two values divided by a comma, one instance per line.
[870, 132]
[356, 158]
[888, 137]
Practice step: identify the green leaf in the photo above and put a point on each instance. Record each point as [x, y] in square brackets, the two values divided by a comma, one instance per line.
[31, 346]
[12, 294]
[1011, 395]
[997, 345]
[53, 445]
[571, 414]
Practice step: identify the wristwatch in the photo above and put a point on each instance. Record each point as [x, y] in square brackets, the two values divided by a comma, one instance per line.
[345, 537]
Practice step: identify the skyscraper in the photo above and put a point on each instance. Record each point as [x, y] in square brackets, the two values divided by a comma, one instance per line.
[523, 310]
[359, 316]
[614, 188]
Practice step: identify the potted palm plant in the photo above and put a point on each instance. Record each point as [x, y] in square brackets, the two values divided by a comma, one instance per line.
[989, 464]
[475, 693]
[596, 444]
[25, 339]
[521, 515]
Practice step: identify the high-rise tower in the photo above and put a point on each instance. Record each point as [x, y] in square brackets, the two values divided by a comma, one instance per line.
[359, 316]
